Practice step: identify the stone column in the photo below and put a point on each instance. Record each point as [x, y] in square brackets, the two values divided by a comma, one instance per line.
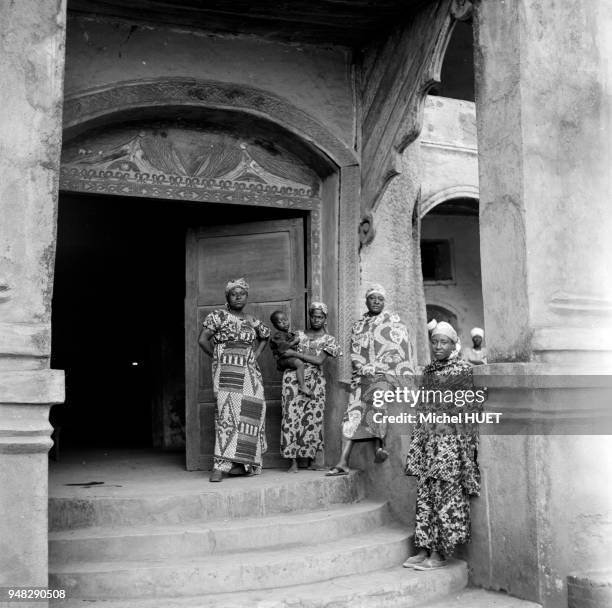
[32, 36]
[544, 101]
[543, 105]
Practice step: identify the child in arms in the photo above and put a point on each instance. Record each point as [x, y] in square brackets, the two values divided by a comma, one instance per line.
[283, 340]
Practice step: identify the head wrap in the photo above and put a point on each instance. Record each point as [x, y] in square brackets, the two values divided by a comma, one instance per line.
[318, 306]
[445, 329]
[232, 283]
[432, 325]
[477, 331]
[376, 288]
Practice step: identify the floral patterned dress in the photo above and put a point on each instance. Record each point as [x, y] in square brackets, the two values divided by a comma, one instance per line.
[302, 416]
[382, 358]
[444, 458]
[240, 435]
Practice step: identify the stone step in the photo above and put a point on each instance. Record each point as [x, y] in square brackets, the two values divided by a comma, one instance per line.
[193, 498]
[201, 538]
[293, 565]
[479, 598]
[388, 588]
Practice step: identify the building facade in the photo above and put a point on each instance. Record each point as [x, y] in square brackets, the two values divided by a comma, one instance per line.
[148, 153]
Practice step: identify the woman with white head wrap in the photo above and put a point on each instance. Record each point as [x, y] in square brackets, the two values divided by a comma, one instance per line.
[442, 456]
[235, 340]
[381, 352]
[477, 354]
[303, 413]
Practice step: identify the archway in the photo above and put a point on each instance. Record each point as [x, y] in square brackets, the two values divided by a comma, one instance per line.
[450, 261]
[273, 174]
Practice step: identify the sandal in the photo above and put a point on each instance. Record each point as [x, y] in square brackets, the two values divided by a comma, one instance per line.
[431, 564]
[216, 476]
[413, 561]
[381, 455]
[336, 472]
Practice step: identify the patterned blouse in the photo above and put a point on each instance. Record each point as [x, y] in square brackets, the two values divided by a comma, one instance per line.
[380, 345]
[316, 345]
[446, 450]
[227, 327]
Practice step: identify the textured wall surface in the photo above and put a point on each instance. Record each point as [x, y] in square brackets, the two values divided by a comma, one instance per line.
[317, 80]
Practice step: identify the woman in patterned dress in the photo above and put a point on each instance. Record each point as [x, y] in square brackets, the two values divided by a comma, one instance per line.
[443, 457]
[302, 421]
[238, 339]
[382, 359]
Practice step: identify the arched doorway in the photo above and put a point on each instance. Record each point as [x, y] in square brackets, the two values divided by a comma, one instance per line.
[145, 183]
[450, 261]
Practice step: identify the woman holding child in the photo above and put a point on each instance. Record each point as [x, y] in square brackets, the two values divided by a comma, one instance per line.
[443, 458]
[303, 402]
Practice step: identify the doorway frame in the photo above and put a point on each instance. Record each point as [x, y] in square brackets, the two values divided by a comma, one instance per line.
[333, 220]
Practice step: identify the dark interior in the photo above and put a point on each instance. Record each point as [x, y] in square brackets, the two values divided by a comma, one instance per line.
[118, 310]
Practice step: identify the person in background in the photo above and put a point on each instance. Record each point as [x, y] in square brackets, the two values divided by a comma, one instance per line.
[477, 354]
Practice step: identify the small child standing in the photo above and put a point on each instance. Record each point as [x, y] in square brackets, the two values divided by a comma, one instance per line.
[280, 342]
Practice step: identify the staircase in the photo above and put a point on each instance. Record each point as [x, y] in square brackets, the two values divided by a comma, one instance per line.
[275, 541]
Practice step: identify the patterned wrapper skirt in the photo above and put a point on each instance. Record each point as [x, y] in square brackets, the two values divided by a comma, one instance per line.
[302, 422]
[240, 435]
[358, 422]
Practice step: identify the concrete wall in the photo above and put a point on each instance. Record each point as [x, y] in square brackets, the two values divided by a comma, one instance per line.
[317, 80]
[463, 296]
[32, 47]
[449, 155]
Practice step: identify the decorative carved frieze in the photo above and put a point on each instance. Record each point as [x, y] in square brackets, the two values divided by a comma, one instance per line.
[165, 161]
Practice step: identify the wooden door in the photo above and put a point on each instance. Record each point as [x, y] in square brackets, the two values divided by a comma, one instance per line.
[270, 255]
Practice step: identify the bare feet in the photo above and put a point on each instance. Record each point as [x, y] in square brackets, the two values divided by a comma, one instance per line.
[293, 468]
[312, 465]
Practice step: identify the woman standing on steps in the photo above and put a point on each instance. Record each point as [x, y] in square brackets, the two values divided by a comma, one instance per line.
[302, 421]
[237, 341]
[382, 359]
[443, 457]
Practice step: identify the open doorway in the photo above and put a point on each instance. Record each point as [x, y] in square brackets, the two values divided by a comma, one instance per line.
[450, 259]
[118, 317]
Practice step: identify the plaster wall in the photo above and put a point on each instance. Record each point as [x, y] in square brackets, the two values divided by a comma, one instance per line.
[544, 129]
[449, 158]
[317, 80]
[393, 260]
[31, 71]
[464, 295]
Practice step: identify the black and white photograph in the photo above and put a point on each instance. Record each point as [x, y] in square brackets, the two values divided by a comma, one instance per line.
[305, 303]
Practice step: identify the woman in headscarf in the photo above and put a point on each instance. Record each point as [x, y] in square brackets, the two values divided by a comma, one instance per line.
[443, 457]
[381, 353]
[237, 341]
[302, 421]
[477, 354]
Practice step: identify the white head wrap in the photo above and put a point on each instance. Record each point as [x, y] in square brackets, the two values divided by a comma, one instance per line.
[477, 331]
[432, 325]
[318, 306]
[241, 282]
[445, 329]
[376, 288]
